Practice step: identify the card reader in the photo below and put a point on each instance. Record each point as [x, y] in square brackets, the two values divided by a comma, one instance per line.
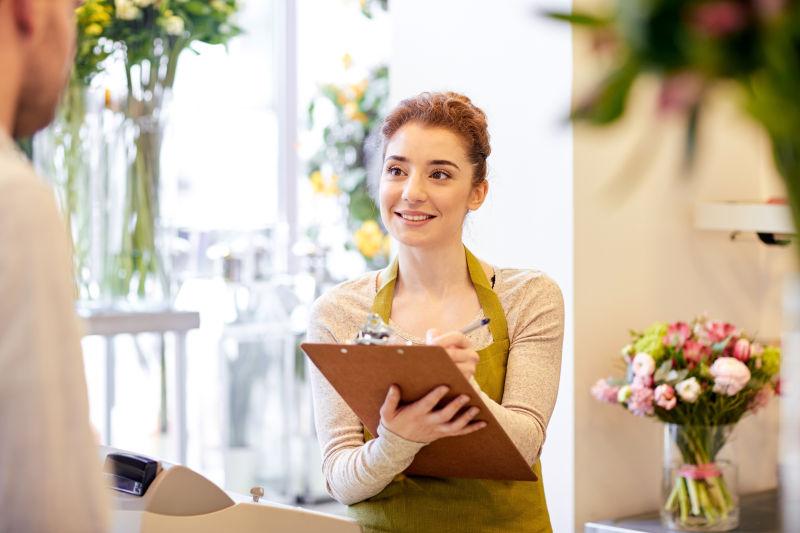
[130, 473]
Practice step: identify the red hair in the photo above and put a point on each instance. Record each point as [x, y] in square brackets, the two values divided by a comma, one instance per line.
[451, 111]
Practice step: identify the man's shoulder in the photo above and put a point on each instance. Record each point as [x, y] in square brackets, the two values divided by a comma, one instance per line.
[27, 205]
[19, 182]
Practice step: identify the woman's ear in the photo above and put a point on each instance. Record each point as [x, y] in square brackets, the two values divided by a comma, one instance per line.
[478, 195]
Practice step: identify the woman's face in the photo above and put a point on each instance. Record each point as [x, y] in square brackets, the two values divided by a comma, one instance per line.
[426, 186]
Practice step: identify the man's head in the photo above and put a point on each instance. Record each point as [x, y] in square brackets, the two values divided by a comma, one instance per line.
[41, 36]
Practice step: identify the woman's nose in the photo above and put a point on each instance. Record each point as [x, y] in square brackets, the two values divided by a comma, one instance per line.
[414, 189]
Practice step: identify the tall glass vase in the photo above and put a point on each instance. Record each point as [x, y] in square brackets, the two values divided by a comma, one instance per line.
[68, 154]
[136, 272]
[700, 479]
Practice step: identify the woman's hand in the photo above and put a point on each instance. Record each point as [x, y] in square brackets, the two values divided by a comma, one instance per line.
[458, 347]
[422, 422]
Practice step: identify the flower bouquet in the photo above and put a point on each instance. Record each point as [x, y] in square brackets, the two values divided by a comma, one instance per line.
[693, 47]
[700, 378]
[140, 42]
[339, 168]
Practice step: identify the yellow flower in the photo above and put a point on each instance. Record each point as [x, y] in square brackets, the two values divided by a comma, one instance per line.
[347, 61]
[100, 16]
[358, 89]
[93, 30]
[369, 239]
[352, 112]
[325, 187]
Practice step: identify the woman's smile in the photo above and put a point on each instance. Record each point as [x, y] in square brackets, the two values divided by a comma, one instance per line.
[414, 218]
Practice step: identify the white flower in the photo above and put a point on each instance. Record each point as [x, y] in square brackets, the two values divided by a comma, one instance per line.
[126, 10]
[144, 3]
[689, 390]
[730, 375]
[672, 375]
[624, 393]
[174, 25]
[643, 364]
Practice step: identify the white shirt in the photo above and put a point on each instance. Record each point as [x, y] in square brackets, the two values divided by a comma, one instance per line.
[50, 476]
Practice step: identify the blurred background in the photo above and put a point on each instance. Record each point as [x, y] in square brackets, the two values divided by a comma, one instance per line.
[213, 165]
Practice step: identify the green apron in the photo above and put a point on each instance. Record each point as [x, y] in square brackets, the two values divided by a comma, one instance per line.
[421, 504]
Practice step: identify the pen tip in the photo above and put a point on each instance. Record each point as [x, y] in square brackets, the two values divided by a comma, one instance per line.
[484, 321]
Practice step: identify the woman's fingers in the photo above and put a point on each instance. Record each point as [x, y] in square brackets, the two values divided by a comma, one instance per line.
[426, 404]
[391, 402]
[458, 424]
[469, 428]
[460, 355]
[454, 339]
[446, 413]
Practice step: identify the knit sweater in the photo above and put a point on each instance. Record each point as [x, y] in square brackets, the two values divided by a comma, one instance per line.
[534, 308]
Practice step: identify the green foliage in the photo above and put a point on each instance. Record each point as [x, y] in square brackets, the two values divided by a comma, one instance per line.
[692, 46]
[358, 110]
[145, 29]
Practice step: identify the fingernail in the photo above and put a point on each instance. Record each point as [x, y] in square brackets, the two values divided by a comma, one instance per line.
[463, 398]
[444, 388]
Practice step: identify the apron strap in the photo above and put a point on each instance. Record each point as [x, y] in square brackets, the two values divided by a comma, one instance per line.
[490, 303]
[489, 300]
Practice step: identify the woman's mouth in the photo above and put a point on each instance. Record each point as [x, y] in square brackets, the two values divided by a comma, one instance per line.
[414, 218]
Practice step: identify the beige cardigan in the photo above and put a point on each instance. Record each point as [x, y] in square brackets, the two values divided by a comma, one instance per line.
[355, 471]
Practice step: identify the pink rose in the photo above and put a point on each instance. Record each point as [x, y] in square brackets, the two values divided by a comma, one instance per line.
[645, 380]
[761, 399]
[730, 375]
[665, 396]
[719, 331]
[640, 402]
[741, 350]
[677, 334]
[604, 392]
[718, 19]
[694, 352]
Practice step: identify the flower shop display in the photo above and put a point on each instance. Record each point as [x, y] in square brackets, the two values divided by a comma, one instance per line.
[340, 167]
[694, 46]
[140, 40]
[699, 378]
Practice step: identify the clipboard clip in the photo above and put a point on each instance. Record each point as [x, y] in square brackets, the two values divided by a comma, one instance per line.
[374, 331]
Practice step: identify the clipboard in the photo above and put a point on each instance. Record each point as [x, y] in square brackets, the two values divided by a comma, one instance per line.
[362, 374]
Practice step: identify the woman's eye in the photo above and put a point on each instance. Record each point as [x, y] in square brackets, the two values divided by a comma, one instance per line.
[440, 175]
[394, 171]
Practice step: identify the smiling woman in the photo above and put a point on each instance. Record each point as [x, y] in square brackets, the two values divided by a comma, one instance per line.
[434, 172]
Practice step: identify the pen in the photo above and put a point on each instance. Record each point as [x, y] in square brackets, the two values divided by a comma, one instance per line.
[475, 325]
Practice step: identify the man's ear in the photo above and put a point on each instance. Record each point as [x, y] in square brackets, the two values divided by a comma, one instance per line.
[23, 15]
[478, 195]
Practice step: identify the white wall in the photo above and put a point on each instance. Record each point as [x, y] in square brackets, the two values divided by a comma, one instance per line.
[517, 68]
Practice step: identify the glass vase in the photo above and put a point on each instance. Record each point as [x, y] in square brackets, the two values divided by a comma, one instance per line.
[135, 270]
[68, 154]
[700, 486]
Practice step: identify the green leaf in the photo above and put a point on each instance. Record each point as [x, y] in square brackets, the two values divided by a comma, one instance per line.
[692, 127]
[663, 370]
[578, 19]
[361, 206]
[608, 102]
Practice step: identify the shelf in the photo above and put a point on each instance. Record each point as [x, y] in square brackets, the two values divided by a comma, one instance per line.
[744, 217]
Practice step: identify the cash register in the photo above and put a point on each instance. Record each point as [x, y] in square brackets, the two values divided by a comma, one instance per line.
[151, 496]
